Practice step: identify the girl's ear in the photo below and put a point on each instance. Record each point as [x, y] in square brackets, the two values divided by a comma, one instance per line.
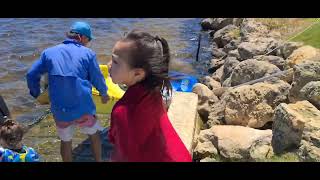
[139, 74]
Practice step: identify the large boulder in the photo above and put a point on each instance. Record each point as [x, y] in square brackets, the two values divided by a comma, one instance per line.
[294, 123]
[223, 36]
[311, 92]
[251, 69]
[253, 105]
[235, 143]
[303, 74]
[248, 50]
[258, 46]
[300, 55]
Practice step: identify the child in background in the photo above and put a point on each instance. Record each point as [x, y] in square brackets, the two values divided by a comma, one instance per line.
[11, 134]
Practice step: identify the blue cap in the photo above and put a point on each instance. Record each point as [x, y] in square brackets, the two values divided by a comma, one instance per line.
[82, 28]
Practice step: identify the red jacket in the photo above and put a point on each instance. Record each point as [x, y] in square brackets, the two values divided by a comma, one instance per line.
[141, 131]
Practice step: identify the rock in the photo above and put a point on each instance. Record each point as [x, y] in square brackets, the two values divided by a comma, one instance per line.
[275, 60]
[227, 82]
[251, 69]
[293, 123]
[207, 159]
[232, 45]
[202, 91]
[237, 142]
[216, 114]
[250, 27]
[204, 149]
[229, 65]
[218, 74]
[311, 92]
[223, 36]
[219, 23]
[218, 53]
[183, 116]
[210, 83]
[237, 21]
[205, 96]
[215, 64]
[248, 50]
[303, 74]
[308, 152]
[288, 47]
[207, 24]
[301, 55]
[234, 53]
[253, 105]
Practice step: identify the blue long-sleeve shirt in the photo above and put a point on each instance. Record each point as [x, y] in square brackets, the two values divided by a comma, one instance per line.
[72, 70]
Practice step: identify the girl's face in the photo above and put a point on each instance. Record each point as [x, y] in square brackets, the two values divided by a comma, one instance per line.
[120, 71]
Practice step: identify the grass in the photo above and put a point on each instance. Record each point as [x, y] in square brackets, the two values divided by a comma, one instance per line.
[287, 157]
[289, 27]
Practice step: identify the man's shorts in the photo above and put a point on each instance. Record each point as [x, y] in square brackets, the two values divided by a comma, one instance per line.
[88, 124]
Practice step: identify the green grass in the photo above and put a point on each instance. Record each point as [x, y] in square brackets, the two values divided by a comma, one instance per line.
[310, 37]
[289, 27]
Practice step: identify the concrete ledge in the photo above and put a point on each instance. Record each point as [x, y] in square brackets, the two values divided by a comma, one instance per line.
[184, 116]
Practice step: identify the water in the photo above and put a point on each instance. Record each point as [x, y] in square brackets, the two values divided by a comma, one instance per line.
[22, 40]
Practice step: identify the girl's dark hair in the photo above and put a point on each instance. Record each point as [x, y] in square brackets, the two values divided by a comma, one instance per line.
[11, 132]
[152, 54]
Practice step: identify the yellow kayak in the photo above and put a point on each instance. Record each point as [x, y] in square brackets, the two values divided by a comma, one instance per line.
[114, 93]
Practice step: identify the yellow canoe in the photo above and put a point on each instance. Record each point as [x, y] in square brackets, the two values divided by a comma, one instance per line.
[114, 93]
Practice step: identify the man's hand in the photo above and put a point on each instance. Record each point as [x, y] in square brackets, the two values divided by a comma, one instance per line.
[104, 99]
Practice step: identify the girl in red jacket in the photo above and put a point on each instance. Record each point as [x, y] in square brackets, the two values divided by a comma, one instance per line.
[140, 129]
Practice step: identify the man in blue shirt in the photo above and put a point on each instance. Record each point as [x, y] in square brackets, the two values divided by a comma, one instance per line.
[72, 69]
